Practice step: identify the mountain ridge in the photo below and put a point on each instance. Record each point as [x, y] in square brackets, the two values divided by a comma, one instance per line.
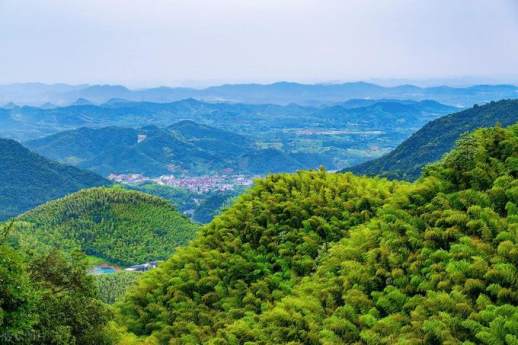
[278, 92]
[435, 139]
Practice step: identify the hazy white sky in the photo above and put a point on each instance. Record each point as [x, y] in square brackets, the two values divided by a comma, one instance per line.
[182, 42]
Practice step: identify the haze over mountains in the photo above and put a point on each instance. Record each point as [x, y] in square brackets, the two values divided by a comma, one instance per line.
[289, 136]
[25, 123]
[209, 137]
[277, 93]
[191, 137]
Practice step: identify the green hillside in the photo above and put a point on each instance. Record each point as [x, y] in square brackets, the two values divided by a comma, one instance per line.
[209, 137]
[436, 138]
[120, 226]
[319, 258]
[183, 148]
[28, 179]
[149, 151]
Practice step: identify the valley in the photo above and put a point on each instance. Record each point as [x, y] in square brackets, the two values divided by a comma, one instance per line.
[200, 198]
[244, 230]
[200, 172]
[294, 136]
[200, 155]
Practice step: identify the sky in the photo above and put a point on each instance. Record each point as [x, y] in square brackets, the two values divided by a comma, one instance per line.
[203, 42]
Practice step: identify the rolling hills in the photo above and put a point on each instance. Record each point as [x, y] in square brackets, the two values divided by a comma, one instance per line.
[182, 148]
[29, 179]
[117, 225]
[336, 136]
[29, 122]
[320, 258]
[435, 139]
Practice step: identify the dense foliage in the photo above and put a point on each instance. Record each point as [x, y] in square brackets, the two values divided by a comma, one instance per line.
[48, 298]
[252, 255]
[112, 286]
[318, 258]
[17, 298]
[436, 138]
[120, 226]
[29, 180]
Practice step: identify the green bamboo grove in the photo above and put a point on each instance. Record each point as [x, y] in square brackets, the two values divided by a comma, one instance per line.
[310, 258]
[120, 226]
[320, 258]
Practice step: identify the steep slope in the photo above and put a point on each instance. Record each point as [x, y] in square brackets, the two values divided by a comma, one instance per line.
[29, 180]
[436, 138]
[118, 225]
[318, 258]
[251, 255]
[437, 265]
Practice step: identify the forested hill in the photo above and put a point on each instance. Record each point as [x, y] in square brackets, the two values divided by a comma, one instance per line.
[28, 179]
[435, 139]
[117, 225]
[319, 258]
[184, 147]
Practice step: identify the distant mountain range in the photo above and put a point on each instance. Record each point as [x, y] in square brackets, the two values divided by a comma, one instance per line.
[276, 93]
[182, 148]
[28, 179]
[24, 123]
[436, 138]
[336, 136]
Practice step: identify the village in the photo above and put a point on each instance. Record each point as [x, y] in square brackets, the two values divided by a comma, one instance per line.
[194, 184]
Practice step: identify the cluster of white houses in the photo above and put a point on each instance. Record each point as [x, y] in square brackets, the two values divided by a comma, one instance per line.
[142, 267]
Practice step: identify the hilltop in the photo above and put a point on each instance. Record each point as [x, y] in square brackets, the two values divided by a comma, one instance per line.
[436, 138]
[149, 150]
[314, 257]
[182, 148]
[29, 179]
[117, 225]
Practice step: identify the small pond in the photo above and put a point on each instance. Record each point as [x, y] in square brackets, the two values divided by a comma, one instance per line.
[103, 270]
